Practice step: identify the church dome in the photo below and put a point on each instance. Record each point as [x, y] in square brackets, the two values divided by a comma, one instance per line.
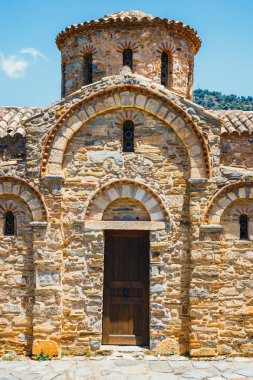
[160, 49]
[130, 16]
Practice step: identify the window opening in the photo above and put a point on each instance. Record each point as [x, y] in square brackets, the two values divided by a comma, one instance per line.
[128, 136]
[87, 69]
[128, 58]
[9, 224]
[164, 69]
[243, 227]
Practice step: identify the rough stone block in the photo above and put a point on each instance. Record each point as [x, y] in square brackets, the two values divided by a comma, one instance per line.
[47, 347]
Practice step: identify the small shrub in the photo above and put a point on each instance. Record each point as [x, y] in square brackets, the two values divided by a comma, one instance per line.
[8, 357]
[89, 354]
[41, 357]
[104, 352]
[170, 353]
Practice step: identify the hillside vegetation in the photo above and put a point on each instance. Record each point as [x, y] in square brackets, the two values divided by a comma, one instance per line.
[215, 100]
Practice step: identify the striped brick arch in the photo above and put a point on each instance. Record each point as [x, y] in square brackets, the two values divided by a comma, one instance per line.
[125, 98]
[17, 188]
[224, 198]
[100, 201]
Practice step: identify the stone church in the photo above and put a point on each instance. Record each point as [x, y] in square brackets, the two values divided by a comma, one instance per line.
[126, 210]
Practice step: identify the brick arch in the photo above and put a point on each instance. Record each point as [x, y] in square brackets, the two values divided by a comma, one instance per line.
[123, 98]
[88, 49]
[166, 46]
[20, 210]
[19, 188]
[125, 188]
[224, 198]
[128, 45]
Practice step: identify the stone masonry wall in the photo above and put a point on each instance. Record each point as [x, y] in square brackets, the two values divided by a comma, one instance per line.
[237, 151]
[17, 280]
[93, 157]
[192, 307]
[107, 46]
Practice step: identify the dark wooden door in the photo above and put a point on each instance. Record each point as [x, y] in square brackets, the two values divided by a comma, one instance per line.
[126, 288]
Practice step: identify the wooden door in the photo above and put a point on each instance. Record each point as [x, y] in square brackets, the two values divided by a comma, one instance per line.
[126, 288]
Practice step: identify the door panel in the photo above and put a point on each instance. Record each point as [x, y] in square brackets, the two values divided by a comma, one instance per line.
[126, 288]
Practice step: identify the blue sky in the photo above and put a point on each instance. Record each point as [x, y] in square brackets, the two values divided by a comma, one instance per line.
[30, 60]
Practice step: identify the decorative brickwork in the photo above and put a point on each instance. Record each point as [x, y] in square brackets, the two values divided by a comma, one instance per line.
[186, 186]
[143, 35]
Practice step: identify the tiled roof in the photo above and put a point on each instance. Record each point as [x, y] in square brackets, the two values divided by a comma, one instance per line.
[130, 17]
[235, 121]
[12, 118]
[139, 15]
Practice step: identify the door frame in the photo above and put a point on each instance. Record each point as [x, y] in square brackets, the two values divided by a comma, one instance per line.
[127, 233]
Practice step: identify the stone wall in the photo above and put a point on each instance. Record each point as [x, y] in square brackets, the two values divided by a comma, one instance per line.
[78, 182]
[16, 279]
[235, 293]
[147, 43]
[237, 151]
[160, 162]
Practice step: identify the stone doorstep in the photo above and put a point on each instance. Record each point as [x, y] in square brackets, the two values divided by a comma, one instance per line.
[127, 349]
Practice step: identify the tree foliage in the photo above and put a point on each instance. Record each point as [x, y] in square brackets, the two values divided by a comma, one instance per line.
[217, 101]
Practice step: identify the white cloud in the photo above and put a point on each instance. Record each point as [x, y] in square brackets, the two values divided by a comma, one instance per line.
[33, 52]
[13, 66]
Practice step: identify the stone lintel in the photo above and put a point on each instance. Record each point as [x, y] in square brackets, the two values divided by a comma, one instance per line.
[38, 224]
[211, 228]
[194, 181]
[124, 225]
[197, 184]
[52, 177]
[157, 264]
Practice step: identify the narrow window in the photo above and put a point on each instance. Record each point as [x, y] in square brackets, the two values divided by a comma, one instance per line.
[243, 227]
[128, 136]
[87, 69]
[164, 69]
[9, 224]
[128, 58]
[63, 79]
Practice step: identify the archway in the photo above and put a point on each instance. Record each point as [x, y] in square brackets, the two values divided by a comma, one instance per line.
[224, 197]
[144, 201]
[125, 97]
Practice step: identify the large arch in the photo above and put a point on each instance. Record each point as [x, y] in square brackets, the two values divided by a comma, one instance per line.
[224, 197]
[19, 188]
[125, 188]
[126, 97]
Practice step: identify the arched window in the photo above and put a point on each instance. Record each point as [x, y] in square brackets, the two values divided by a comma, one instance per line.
[87, 69]
[164, 69]
[243, 227]
[9, 229]
[63, 79]
[128, 136]
[128, 58]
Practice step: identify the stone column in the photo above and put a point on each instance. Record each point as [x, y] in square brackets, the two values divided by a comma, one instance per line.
[47, 308]
[165, 294]
[204, 281]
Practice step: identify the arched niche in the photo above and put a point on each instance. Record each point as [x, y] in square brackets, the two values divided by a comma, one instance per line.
[224, 198]
[148, 206]
[126, 209]
[18, 190]
[230, 219]
[124, 97]
[9, 203]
